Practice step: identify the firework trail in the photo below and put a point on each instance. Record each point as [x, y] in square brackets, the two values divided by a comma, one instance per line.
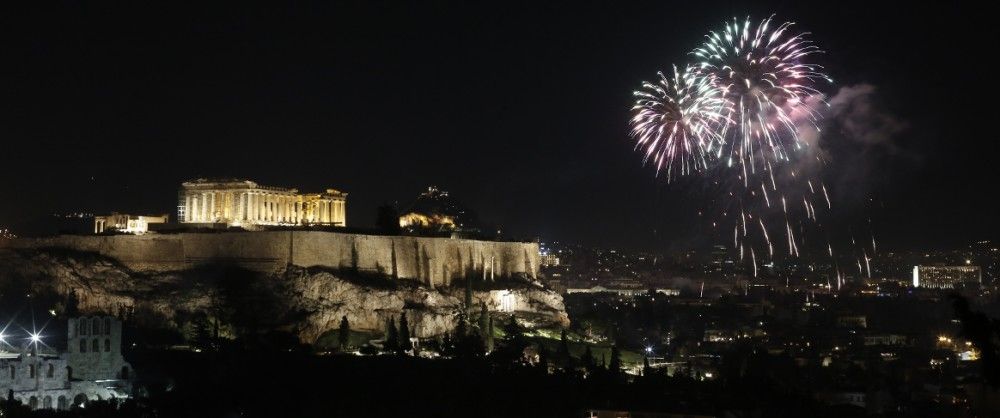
[675, 121]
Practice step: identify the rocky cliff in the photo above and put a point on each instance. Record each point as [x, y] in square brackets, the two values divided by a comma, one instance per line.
[305, 301]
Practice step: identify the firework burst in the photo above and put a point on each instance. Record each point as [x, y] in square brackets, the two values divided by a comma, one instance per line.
[676, 121]
[763, 73]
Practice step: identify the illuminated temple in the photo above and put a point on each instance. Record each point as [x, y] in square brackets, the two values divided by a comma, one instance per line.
[244, 203]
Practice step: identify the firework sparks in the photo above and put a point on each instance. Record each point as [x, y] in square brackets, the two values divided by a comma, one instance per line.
[735, 117]
[675, 121]
[762, 71]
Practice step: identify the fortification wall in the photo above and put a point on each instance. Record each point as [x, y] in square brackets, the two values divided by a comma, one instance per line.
[429, 260]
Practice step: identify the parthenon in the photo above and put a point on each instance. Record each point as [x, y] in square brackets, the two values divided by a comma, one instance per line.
[244, 203]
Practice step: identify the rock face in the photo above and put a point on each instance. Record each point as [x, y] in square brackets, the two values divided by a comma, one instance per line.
[305, 301]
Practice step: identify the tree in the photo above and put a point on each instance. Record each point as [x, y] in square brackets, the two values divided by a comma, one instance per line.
[512, 346]
[202, 332]
[462, 327]
[615, 365]
[543, 359]
[513, 334]
[485, 326]
[344, 333]
[469, 346]
[391, 335]
[404, 334]
[484, 316]
[563, 353]
[447, 345]
[588, 359]
[983, 331]
[489, 335]
[387, 219]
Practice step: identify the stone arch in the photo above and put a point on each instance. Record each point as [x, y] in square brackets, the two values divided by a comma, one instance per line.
[62, 403]
[47, 402]
[33, 402]
[79, 399]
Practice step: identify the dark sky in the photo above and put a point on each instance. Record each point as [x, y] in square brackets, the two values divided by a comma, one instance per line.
[519, 110]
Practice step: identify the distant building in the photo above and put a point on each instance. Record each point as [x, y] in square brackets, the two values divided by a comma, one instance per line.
[128, 224]
[887, 339]
[548, 260]
[852, 321]
[243, 203]
[622, 291]
[92, 368]
[946, 277]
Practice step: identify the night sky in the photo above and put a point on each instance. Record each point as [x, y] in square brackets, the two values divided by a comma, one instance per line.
[519, 110]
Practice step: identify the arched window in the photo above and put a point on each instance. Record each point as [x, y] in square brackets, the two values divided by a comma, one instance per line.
[13, 372]
[97, 326]
[84, 324]
[69, 373]
[107, 345]
[47, 402]
[95, 346]
[107, 326]
[83, 345]
[52, 371]
[61, 403]
[78, 327]
[33, 402]
[31, 371]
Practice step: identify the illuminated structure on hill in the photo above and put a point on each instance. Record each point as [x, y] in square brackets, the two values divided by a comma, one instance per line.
[244, 203]
[129, 224]
[435, 210]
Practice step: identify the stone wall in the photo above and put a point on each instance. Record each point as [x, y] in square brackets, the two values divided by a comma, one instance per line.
[93, 348]
[433, 261]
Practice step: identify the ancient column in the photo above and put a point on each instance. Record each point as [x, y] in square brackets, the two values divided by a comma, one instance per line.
[284, 209]
[254, 210]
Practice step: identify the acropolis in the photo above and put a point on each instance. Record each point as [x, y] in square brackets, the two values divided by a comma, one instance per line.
[246, 204]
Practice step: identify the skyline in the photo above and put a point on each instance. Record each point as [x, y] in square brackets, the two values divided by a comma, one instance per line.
[526, 126]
